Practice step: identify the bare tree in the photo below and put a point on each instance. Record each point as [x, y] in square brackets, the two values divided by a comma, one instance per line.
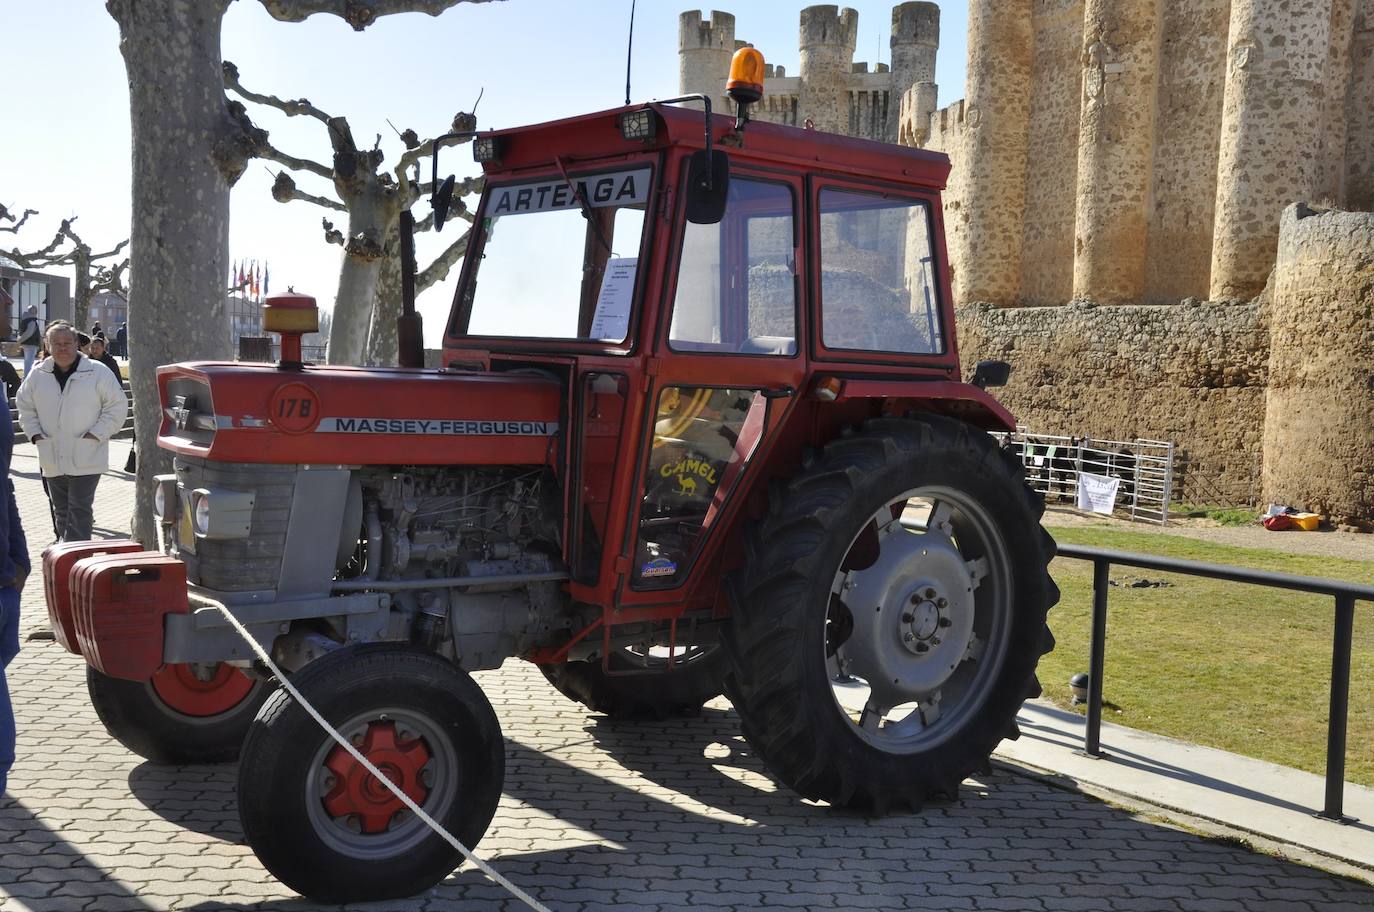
[90, 278]
[369, 296]
[190, 145]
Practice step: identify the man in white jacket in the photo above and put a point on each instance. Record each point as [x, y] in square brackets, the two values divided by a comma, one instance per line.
[70, 407]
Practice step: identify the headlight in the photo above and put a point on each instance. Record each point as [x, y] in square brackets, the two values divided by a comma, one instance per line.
[202, 514]
[638, 125]
[164, 494]
[230, 515]
[484, 149]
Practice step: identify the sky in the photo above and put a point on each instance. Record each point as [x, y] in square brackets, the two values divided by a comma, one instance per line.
[66, 106]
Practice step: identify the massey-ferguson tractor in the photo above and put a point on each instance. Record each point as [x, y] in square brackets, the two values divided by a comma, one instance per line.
[699, 429]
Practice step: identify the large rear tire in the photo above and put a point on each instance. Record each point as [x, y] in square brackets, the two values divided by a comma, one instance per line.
[326, 827]
[644, 688]
[185, 714]
[874, 664]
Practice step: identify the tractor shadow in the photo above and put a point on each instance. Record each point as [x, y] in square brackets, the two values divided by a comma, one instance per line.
[201, 798]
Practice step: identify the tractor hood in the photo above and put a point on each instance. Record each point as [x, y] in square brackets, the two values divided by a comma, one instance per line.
[235, 412]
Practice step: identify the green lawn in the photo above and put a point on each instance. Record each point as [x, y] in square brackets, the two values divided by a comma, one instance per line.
[1242, 668]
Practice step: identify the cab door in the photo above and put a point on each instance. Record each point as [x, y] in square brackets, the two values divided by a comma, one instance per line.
[726, 368]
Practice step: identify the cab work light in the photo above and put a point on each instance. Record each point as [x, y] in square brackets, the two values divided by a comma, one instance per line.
[640, 126]
[484, 149]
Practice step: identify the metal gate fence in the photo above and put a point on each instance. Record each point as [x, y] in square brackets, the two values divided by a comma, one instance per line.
[1055, 464]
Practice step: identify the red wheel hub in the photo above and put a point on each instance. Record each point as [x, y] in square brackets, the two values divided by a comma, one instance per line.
[180, 689]
[356, 792]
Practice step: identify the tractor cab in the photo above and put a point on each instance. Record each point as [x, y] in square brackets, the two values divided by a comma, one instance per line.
[697, 285]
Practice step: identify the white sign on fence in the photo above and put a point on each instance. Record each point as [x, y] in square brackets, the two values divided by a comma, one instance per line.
[1097, 493]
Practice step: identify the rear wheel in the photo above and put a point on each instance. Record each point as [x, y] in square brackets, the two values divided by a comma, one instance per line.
[326, 827]
[876, 661]
[185, 714]
[641, 684]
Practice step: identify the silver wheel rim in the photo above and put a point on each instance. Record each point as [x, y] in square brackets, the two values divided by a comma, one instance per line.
[406, 831]
[918, 620]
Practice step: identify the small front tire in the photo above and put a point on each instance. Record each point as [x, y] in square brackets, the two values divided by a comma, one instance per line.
[185, 714]
[323, 825]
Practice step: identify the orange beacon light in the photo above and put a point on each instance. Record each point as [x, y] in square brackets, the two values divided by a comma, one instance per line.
[746, 76]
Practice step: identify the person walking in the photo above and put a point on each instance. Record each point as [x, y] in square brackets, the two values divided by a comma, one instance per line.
[122, 341]
[29, 335]
[14, 570]
[70, 406]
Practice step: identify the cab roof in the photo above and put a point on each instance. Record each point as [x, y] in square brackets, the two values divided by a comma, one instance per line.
[597, 136]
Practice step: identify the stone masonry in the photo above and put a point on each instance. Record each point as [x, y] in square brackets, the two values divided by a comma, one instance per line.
[833, 92]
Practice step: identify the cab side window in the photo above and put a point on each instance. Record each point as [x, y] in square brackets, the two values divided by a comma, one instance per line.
[737, 288]
[878, 290]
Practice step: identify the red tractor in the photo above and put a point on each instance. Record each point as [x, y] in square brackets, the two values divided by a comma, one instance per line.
[699, 430]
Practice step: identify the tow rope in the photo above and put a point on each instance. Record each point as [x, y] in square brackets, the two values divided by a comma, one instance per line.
[367, 764]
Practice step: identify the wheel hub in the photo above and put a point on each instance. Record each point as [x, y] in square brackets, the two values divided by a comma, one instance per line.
[356, 798]
[913, 611]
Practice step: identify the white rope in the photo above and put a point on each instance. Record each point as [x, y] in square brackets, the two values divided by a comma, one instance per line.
[367, 764]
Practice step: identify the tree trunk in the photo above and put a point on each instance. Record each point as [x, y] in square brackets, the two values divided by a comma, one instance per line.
[81, 309]
[386, 308]
[186, 155]
[371, 219]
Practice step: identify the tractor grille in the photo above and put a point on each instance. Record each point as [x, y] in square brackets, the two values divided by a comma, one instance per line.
[242, 564]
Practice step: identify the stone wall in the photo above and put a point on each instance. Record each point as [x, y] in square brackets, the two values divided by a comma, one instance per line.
[1161, 141]
[1319, 424]
[1194, 374]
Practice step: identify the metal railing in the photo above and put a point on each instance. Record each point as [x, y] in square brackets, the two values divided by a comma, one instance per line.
[1345, 594]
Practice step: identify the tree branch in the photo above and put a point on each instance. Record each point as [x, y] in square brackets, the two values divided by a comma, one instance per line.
[462, 123]
[357, 13]
[6, 216]
[294, 108]
[272, 153]
[284, 191]
[439, 269]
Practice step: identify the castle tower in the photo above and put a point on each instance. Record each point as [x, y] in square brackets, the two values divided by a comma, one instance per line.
[915, 41]
[704, 48]
[1115, 148]
[1276, 65]
[828, 37]
[996, 119]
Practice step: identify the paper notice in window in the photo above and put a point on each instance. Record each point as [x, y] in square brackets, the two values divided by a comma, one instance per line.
[612, 319]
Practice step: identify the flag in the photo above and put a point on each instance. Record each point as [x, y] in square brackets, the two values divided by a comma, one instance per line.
[253, 280]
[264, 280]
[238, 286]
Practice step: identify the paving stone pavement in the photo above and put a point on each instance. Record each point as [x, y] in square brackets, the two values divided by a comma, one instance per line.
[596, 816]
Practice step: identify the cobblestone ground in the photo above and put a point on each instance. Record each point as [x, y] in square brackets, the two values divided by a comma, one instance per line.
[597, 816]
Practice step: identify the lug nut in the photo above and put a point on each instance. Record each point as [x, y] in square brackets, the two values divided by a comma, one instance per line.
[945, 622]
[908, 618]
[942, 602]
[922, 647]
[915, 599]
[935, 641]
[930, 593]
[907, 637]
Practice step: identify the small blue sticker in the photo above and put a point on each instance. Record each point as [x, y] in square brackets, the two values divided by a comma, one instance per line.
[659, 566]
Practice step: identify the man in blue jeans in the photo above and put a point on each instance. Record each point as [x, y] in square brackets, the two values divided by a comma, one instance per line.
[14, 570]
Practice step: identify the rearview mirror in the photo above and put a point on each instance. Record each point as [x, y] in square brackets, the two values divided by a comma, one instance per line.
[440, 202]
[991, 373]
[708, 186]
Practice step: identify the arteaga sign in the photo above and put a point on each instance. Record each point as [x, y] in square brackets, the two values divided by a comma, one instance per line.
[617, 188]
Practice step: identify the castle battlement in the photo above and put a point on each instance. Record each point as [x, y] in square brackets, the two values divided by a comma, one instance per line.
[830, 26]
[716, 33]
[833, 91]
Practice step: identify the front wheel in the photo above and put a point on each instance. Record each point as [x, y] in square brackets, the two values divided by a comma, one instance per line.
[892, 613]
[328, 829]
[185, 714]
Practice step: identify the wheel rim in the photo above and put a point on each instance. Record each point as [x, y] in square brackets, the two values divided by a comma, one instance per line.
[918, 619]
[200, 691]
[357, 815]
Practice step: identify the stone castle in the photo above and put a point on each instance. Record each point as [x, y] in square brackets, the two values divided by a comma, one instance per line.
[1121, 220]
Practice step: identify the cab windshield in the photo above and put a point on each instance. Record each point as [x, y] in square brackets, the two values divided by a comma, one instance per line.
[558, 257]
